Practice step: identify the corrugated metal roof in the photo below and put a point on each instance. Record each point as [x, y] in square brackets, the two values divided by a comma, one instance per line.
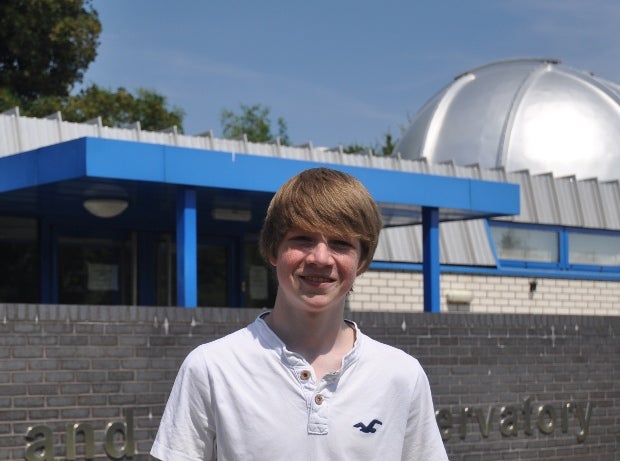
[544, 199]
[610, 199]
[568, 201]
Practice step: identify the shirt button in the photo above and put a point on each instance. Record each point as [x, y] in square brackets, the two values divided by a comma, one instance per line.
[318, 399]
[305, 375]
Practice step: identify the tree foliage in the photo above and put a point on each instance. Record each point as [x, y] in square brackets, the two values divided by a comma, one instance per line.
[354, 148]
[382, 148]
[119, 108]
[45, 48]
[254, 122]
[46, 45]
[388, 145]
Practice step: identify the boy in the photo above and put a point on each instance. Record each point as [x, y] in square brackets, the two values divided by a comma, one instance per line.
[300, 382]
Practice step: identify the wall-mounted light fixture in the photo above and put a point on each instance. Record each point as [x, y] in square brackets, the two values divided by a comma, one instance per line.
[230, 214]
[105, 207]
[459, 296]
[533, 286]
[459, 300]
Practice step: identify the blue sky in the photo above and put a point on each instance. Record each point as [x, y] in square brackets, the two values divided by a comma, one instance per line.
[338, 72]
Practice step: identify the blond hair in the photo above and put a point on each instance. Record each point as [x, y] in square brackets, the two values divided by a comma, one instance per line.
[327, 201]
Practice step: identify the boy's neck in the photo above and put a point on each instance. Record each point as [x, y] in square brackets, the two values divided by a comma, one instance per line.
[322, 339]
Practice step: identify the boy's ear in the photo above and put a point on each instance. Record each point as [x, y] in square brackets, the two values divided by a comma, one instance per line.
[360, 271]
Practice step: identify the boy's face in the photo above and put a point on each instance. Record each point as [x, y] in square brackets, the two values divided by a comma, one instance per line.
[315, 271]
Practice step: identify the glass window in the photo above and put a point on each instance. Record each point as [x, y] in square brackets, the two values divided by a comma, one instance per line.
[94, 271]
[522, 244]
[213, 275]
[212, 268]
[165, 285]
[19, 271]
[260, 283]
[598, 250]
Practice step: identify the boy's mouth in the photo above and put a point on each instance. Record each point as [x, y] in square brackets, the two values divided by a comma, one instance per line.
[316, 279]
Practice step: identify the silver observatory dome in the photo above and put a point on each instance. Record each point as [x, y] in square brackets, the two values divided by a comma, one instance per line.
[524, 114]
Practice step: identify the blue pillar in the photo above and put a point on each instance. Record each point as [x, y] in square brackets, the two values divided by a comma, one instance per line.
[430, 263]
[187, 273]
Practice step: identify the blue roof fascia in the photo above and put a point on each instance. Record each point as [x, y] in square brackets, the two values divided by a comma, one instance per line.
[138, 161]
[197, 167]
[397, 187]
[45, 165]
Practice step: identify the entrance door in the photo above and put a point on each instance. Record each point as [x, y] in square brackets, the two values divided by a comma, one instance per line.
[259, 284]
[94, 271]
[19, 254]
[213, 274]
[215, 260]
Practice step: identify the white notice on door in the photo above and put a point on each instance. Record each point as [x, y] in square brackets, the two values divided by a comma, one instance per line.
[258, 282]
[102, 277]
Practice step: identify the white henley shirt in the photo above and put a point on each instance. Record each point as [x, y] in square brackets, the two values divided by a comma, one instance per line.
[246, 397]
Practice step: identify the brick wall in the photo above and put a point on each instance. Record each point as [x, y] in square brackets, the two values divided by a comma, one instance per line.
[402, 291]
[506, 386]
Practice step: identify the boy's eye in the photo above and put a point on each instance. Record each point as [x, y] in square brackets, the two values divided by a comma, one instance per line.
[301, 239]
[341, 245]
[336, 244]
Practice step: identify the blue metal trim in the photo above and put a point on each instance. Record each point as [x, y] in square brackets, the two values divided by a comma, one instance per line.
[512, 271]
[126, 160]
[49, 164]
[187, 246]
[487, 229]
[531, 265]
[390, 266]
[563, 249]
[430, 264]
[591, 268]
[534, 272]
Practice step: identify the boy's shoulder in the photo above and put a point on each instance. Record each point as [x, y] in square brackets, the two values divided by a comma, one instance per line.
[376, 350]
[232, 343]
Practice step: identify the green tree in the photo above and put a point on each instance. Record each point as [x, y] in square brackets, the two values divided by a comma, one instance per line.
[45, 48]
[254, 122]
[387, 147]
[46, 45]
[119, 108]
[354, 148]
[378, 148]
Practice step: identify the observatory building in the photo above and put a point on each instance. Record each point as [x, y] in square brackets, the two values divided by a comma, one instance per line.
[123, 249]
[526, 114]
[95, 215]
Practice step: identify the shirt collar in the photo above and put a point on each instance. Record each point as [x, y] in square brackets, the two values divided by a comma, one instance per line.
[291, 359]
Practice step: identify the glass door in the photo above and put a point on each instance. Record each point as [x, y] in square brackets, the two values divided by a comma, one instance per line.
[19, 254]
[215, 260]
[95, 271]
[260, 284]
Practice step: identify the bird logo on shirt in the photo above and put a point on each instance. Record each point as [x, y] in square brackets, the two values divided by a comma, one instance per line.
[368, 429]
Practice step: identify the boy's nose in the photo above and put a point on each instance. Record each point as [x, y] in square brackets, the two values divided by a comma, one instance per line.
[319, 254]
